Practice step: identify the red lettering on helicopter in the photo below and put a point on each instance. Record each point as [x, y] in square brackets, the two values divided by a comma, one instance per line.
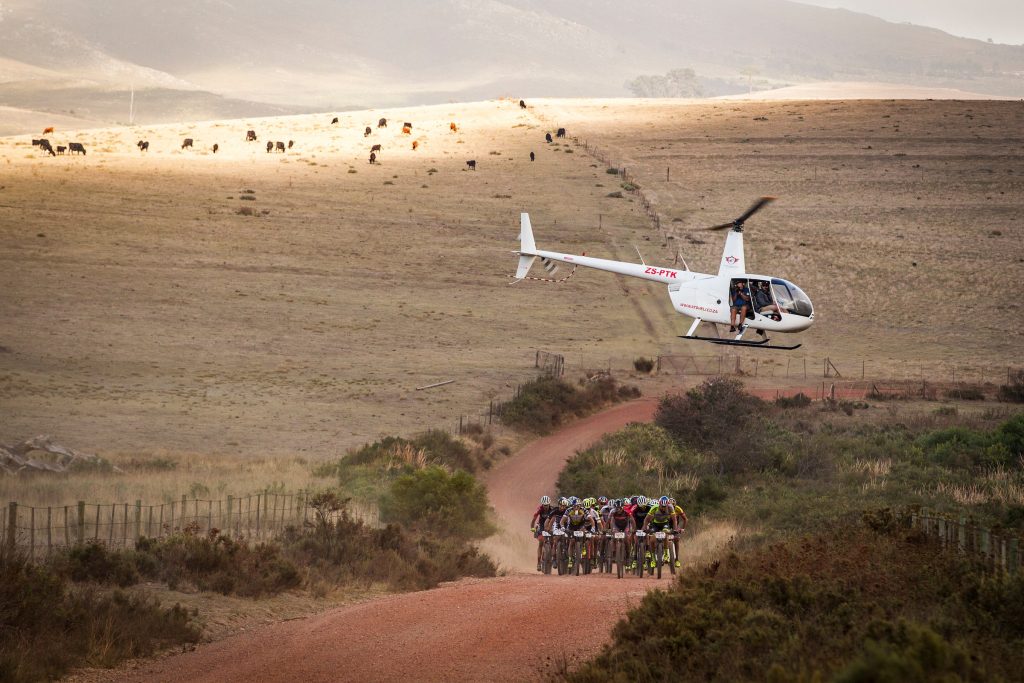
[699, 308]
[660, 271]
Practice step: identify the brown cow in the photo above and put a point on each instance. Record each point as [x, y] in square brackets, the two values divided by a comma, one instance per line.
[215, 147]
[291, 143]
[187, 142]
[48, 129]
[383, 123]
[453, 127]
[375, 148]
[373, 158]
[415, 144]
[407, 130]
[279, 146]
[366, 133]
[270, 146]
[522, 104]
[250, 136]
[61, 149]
[143, 145]
[334, 120]
[472, 164]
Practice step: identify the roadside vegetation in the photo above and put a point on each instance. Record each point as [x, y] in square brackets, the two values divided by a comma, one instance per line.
[831, 583]
[548, 402]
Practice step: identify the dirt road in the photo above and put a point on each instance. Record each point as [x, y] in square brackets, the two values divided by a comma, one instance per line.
[476, 630]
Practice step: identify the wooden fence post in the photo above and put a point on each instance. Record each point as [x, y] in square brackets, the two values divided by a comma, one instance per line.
[67, 529]
[81, 522]
[49, 531]
[962, 534]
[231, 502]
[31, 533]
[124, 528]
[12, 525]
[138, 521]
[257, 515]
[184, 507]
[1012, 556]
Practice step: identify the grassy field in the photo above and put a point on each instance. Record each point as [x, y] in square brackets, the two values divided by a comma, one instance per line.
[147, 314]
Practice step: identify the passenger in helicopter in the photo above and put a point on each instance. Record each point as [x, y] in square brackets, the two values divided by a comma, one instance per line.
[739, 296]
[763, 303]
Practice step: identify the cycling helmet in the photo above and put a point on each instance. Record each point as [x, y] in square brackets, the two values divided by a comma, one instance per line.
[573, 501]
[589, 502]
[544, 500]
[671, 501]
[641, 501]
[602, 500]
[563, 502]
[663, 501]
[617, 503]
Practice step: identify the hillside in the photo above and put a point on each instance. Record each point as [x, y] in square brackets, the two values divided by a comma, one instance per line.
[319, 55]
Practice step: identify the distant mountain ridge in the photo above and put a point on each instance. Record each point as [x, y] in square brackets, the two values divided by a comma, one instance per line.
[332, 54]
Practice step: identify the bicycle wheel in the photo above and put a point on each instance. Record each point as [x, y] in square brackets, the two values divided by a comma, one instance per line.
[672, 558]
[619, 559]
[576, 557]
[545, 557]
[659, 549]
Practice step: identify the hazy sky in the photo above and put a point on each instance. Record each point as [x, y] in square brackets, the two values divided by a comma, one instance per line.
[1000, 20]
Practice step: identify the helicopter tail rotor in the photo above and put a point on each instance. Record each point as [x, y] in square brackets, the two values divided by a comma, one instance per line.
[737, 224]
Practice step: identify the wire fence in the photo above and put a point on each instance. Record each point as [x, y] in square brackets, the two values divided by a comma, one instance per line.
[39, 531]
[999, 551]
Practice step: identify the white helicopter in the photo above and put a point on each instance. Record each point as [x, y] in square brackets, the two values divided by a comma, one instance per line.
[771, 304]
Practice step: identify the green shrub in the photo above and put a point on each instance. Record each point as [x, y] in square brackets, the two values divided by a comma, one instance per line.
[93, 562]
[546, 402]
[643, 364]
[1013, 390]
[612, 171]
[432, 500]
[801, 400]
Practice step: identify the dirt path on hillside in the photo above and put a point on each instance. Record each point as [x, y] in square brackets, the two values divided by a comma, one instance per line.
[478, 630]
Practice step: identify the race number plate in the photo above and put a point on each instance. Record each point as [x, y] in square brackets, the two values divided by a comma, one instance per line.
[640, 534]
[660, 535]
[578, 534]
[620, 534]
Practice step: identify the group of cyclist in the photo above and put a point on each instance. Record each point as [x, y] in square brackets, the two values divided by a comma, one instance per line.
[597, 515]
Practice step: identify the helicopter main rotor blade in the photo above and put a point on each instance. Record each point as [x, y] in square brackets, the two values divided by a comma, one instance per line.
[757, 206]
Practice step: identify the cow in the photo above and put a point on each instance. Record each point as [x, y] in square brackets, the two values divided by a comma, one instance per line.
[279, 146]
[215, 147]
[291, 143]
[366, 133]
[532, 156]
[187, 142]
[407, 130]
[407, 125]
[471, 164]
[35, 143]
[44, 145]
[334, 120]
[415, 144]
[76, 147]
[560, 133]
[453, 128]
[547, 136]
[383, 123]
[522, 104]
[270, 146]
[143, 145]
[250, 136]
[373, 158]
[60, 149]
[48, 129]
[375, 148]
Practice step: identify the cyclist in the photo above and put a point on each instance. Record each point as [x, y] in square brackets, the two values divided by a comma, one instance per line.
[576, 518]
[555, 519]
[660, 517]
[681, 522]
[639, 509]
[539, 521]
[620, 519]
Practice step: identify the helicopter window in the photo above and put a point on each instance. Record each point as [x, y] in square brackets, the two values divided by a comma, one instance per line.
[791, 298]
[761, 296]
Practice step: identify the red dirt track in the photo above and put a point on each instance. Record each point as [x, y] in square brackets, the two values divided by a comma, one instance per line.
[472, 630]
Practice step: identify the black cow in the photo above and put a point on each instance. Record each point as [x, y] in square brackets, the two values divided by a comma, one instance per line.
[61, 149]
[290, 143]
[143, 145]
[250, 136]
[522, 104]
[375, 148]
[532, 156]
[215, 147]
[472, 164]
[383, 123]
[560, 133]
[186, 143]
[76, 147]
[373, 158]
[366, 133]
[44, 145]
[547, 136]
[35, 143]
[334, 120]
[270, 146]
[279, 146]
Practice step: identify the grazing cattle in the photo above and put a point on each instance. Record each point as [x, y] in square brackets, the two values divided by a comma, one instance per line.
[291, 143]
[407, 130]
[334, 120]
[215, 147]
[76, 147]
[383, 123]
[60, 149]
[143, 145]
[270, 146]
[35, 143]
[532, 156]
[279, 146]
[250, 136]
[375, 148]
[522, 104]
[547, 136]
[453, 127]
[472, 164]
[373, 158]
[560, 133]
[366, 133]
[415, 144]
[187, 142]
[44, 145]
[48, 129]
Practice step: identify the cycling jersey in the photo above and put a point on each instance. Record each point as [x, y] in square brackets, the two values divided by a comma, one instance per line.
[576, 518]
[619, 520]
[639, 515]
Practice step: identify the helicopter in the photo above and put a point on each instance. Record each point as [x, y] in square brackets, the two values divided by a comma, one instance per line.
[773, 304]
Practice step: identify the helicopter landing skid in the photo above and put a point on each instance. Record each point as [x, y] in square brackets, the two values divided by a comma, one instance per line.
[763, 344]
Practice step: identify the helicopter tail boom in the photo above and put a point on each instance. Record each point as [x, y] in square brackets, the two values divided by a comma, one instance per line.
[527, 246]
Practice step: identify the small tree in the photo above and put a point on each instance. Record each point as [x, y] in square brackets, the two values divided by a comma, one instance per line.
[432, 499]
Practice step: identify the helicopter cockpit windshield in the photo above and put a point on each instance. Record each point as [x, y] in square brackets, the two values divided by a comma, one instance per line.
[791, 298]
